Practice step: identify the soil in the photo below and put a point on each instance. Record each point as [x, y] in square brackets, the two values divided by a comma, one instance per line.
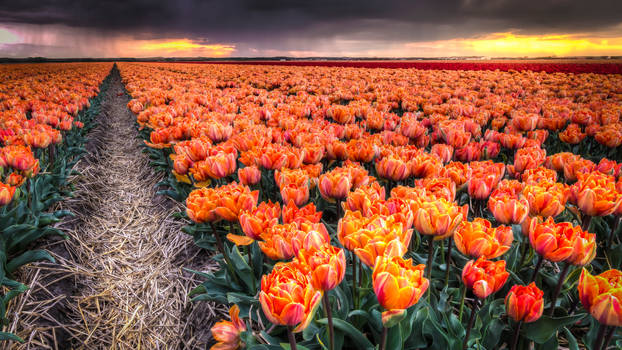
[118, 281]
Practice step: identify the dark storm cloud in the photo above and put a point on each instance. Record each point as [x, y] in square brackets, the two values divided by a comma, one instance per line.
[247, 21]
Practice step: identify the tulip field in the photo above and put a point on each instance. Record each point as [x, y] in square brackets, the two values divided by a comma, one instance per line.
[355, 206]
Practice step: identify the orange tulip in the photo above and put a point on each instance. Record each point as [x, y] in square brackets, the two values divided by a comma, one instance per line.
[573, 168]
[539, 174]
[584, 250]
[310, 237]
[557, 161]
[249, 175]
[572, 134]
[15, 179]
[438, 187]
[425, 165]
[254, 222]
[484, 277]
[272, 157]
[443, 152]
[299, 195]
[398, 284]
[555, 242]
[471, 152]
[360, 151]
[362, 198]
[287, 297]
[601, 295]
[524, 303]
[293, 214]
[527, 158]
[439, 218]
[392, 168]
[546, 199]
[478, 239]
[327, 266]
[458, 173]
[508, 205]
[227, 333]
[216, 167]
[480, 187]
[335, 185]
[222, 203]
[277, 241]
[6, 194]
[595, 194]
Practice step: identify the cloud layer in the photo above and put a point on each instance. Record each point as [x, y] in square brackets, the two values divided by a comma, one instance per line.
[62, 28]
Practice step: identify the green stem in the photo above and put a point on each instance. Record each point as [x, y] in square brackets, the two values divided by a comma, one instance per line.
[292, 339]
[250, 264]
[223, 251]
[609, 337]
[448, 261]
[516, 335]
[560, 283]
[383, 340]
[470, 325]
[464, 291]
[329, 316]
[538, 266]
[428, 272]
[586, 223]
[600, 337]
[354, 299]
[613, 232]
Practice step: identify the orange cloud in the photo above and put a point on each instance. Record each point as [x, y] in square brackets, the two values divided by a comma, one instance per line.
[510, 44]
[185, 46]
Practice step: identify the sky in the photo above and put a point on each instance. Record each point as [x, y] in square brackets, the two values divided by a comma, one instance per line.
[303, 28]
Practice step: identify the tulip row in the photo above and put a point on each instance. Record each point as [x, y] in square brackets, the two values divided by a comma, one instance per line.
[46, 111]
[565, 66]
[332, 183]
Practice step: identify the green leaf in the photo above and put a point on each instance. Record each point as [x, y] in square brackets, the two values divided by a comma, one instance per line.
[28, 257]
[546, 327]
[10, 336]
[394, 338]
[353, 333]
[286, 346]
[572, 341]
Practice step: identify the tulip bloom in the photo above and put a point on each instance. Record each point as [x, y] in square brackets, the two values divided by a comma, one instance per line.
[294, 214]
[327, 266]
[287, 297]
[392, 168]
[554, 242]
[6, 194]
[478, 239]
[249, 175]
[584, 250]
[601, 295]
[222, 203]
[335, 185]
[595, 194]
[547, 199]
[256, 221]
[364, 197]
[484, 277]
[527, 158]
[227, 333]
[439, 218]
[298, 194]
[398, 284]
[524, 303]
[276, 241]
[508, 205]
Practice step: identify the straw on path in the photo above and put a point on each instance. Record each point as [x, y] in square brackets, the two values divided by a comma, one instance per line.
[118, 282]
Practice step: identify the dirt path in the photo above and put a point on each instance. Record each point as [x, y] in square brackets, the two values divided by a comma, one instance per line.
[119, 282]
